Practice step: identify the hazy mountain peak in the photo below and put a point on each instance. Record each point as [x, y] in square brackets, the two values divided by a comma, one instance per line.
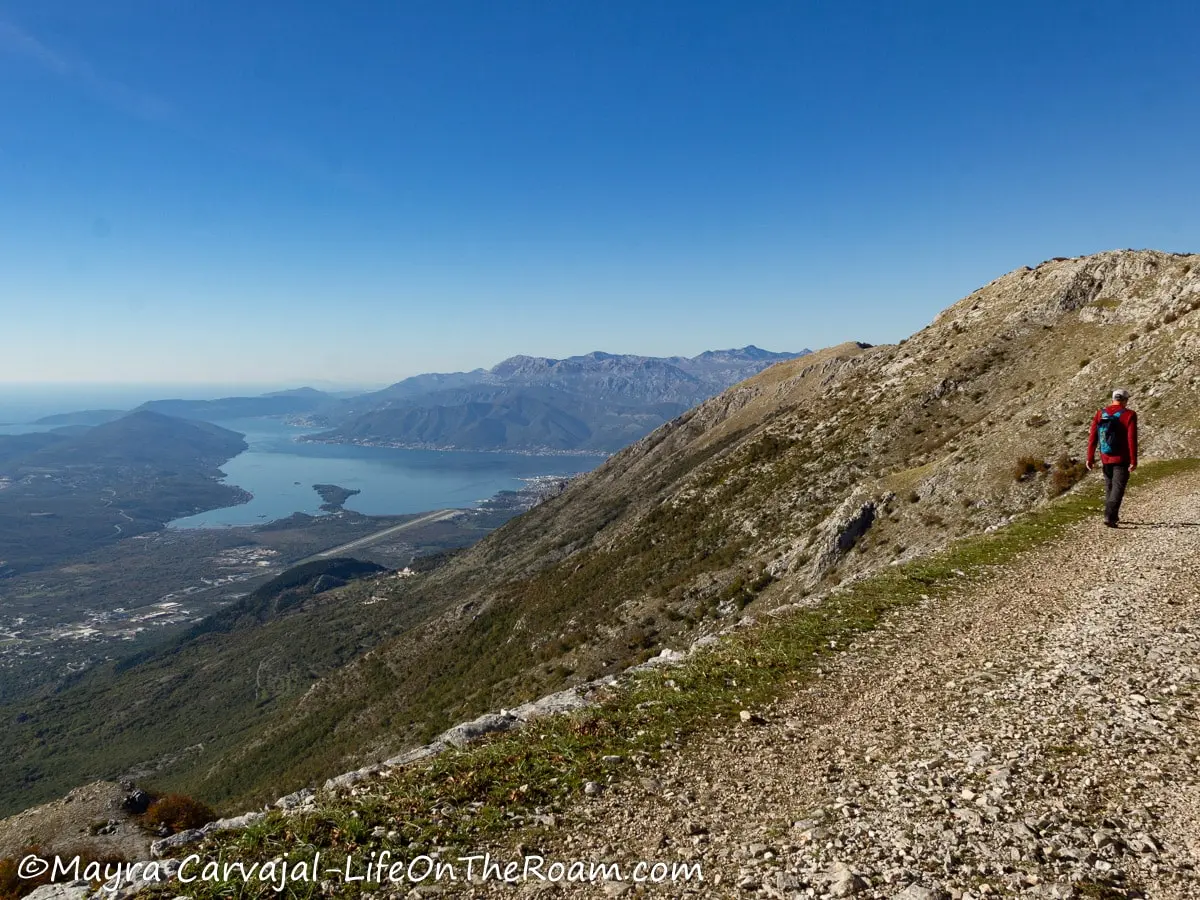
[309, 392]
[521, 363]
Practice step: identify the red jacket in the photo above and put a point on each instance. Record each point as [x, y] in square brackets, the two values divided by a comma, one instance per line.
[1125, 454]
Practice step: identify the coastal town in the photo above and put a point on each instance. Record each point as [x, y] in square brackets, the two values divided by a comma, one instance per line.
[90, 634]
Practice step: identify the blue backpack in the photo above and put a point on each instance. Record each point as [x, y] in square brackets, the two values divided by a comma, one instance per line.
[1111, 433]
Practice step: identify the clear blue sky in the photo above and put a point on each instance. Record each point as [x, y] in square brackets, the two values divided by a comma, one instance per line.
[215, 191]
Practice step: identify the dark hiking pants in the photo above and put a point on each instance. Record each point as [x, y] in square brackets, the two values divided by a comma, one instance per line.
[1116, 476]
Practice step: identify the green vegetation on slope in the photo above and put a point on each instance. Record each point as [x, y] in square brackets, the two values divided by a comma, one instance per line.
[265, 603]
[182, 709]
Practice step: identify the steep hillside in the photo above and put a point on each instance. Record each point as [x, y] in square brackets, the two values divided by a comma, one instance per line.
[813, 472]
[285, 590]
[1017, 714]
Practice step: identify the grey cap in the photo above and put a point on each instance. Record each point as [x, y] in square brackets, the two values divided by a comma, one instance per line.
[1120, 394]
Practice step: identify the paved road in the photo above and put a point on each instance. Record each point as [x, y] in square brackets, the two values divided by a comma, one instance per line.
[436, 516]
[121, 512]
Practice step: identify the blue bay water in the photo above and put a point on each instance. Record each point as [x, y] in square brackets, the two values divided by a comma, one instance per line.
[280, 473]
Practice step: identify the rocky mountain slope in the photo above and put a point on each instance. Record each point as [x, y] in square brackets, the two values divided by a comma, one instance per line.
[1025, 728]
[811, 474]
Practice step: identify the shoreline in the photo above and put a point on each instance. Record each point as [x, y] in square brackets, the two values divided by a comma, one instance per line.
[535, 489]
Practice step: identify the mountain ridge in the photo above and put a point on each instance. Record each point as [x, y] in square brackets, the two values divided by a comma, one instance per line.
[597, 401]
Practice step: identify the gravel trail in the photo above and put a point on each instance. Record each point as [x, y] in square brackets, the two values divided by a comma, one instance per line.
[1035, 735]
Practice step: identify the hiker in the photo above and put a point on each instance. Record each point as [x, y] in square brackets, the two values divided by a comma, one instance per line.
[1114, 431]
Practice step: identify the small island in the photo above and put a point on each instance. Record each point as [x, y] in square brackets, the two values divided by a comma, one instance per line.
[334, 496]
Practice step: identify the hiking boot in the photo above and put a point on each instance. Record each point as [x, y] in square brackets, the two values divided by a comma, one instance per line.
[1110, 524]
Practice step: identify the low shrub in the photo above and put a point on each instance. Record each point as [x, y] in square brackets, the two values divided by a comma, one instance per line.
[761, 582]
[177, 812]
[1027, 466]
[1067, 471]
[12, 885]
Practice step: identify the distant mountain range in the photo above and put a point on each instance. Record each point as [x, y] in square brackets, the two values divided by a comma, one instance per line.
[98, 475]
[83, 417]
[279, 403]
[284, 403]
[601, 376]
[598, 402]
